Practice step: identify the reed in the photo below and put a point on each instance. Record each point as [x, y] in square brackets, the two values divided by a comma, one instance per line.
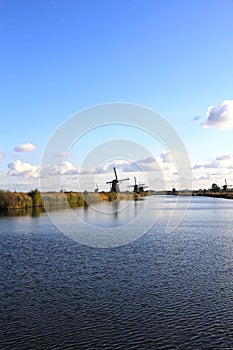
[35, 199]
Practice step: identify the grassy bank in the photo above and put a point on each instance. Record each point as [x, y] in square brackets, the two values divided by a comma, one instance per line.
[12, 200]
[35, 199]
[220, 194]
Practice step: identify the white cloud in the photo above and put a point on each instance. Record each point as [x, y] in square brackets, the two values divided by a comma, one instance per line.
[204, 179]
[164, 162]
[120, 164]
[25, 147]
[148, 160]
[151, 164]
[224, 161]
[65, 168]
[68, 168]
[146, 164]
[213, 171]
[166, 157]
[220, 116]
[19, 168]
[161, 168]
[224, 157]
[63, 154]
[1, 154]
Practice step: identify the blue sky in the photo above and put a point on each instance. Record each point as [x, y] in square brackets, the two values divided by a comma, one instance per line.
[59, 57]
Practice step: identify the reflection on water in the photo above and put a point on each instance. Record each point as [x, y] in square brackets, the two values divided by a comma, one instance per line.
[33, 212]
[37, 211]
[162, 291]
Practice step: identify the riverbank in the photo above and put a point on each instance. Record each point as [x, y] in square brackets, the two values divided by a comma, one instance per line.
[35, 199]
[220, 194]
[199, 193]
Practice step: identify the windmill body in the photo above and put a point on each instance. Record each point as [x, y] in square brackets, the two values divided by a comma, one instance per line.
[115, 186]
[226, 186]
[138, 188]
[115, 183]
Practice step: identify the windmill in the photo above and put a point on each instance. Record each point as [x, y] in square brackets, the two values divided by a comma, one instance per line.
[226, 186]
[174, 191]
[115, 183]
[138, 188]
[96, 189]
[141, 187]
[135, 186]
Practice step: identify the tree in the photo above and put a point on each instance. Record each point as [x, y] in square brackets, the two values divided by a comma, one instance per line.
[36, 198]
[215, 188]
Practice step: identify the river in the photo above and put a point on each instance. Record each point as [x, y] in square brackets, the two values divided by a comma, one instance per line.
[162, 290]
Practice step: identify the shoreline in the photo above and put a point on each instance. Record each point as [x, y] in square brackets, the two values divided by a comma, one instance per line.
[35, 199]
[48, 200]
[223, 195]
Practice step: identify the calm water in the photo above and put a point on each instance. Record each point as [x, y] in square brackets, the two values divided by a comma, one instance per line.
[161, 291]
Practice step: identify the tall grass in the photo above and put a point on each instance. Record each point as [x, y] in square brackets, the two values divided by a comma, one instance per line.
[12, 200]
[35, 199]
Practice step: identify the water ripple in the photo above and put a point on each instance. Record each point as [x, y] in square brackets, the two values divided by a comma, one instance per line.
[164, 291]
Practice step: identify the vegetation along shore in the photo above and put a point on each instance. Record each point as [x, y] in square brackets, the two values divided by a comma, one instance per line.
[34, 199]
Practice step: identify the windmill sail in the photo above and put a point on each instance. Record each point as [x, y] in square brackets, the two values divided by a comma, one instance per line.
[115, 182]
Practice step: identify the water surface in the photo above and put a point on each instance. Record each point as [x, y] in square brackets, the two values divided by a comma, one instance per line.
[161, 291]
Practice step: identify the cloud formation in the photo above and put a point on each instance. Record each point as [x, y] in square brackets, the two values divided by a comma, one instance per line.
[25, 147]
[166, 157]
[224, 161]
[23, 169]
[63, 154]
[1, 154]
[220, 116]
[158, 172]
[213, 171]
[65, 168]
[125, 166]
[19, 168]
[196, 118]
[120, 164]
[164, 162]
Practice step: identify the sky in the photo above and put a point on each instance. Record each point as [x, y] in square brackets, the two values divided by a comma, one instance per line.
[60, 57]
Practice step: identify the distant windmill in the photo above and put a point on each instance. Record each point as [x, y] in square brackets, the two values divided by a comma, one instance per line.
[96, 189]
[115, 183]
[226, 186]
[141, 187]
[135, 186]
[138, 188]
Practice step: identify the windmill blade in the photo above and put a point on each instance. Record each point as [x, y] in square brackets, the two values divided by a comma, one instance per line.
[135, 180]
[109, 182]
[124, 179]
[115, 173]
